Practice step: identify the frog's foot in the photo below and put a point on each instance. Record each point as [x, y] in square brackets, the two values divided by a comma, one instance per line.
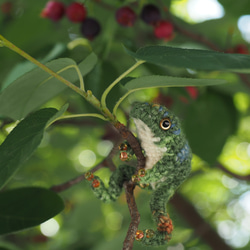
[95, 183]
[126, 151]
[165, 224]
[138, 177]
[150, 237]
[163, 221]
[160, 236]
[112, 192]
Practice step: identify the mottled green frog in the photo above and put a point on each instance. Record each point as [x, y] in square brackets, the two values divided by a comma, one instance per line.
[168, 164]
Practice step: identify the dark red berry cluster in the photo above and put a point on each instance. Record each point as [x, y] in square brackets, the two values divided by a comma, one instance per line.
[151, 15]
[76, 13]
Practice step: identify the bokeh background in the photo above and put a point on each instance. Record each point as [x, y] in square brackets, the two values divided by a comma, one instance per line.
[216, 120]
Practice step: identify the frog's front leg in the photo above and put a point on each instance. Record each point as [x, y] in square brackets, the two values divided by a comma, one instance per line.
[112, 192]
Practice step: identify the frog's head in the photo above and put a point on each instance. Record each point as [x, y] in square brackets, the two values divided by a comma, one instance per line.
[157, 119]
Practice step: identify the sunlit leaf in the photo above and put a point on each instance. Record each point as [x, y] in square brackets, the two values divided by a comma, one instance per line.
[27, 207]
[22, 142]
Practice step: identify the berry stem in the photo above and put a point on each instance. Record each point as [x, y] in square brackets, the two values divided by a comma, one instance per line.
[78, 116]
[121, 100]
[80, 42]
[68, 67]
[117, 80]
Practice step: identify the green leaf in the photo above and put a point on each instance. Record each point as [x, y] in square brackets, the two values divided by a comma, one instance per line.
[193, 58]
[33, 89]
[155, 81]
[62, 110]
[98, 80]
[209, 121]
[27, 207]
[25, 66]
[22, 142]
[88, 63]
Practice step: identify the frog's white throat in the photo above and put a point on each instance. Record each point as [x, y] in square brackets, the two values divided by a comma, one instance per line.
[147, 138]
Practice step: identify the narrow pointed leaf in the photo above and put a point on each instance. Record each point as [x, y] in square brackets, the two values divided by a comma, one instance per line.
[193, 58]
[27, 207]
[155, 81]
[131, 84]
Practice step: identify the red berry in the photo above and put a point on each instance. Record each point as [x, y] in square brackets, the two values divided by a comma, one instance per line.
[53, 10]
[192, 91]
[241, 49]
[76, 12]
[164, 30]
[125, 16]
[90, 28]
[150, 14]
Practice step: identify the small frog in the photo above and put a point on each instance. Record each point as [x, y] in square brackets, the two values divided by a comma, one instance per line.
[168, 164]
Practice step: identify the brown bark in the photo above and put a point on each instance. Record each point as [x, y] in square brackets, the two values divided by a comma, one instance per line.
[202, 229]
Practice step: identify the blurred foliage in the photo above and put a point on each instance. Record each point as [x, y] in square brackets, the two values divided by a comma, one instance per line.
[216, 121]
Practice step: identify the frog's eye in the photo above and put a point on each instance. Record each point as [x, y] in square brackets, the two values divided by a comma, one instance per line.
[165, 124]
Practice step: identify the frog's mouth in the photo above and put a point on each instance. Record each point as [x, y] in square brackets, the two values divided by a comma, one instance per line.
[147, 138]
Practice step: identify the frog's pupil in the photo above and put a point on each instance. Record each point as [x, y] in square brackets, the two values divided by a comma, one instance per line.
[165, 124]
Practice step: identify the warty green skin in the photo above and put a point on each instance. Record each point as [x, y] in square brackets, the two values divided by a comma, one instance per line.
[168, 163]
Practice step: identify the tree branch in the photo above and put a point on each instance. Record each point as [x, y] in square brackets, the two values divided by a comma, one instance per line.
[240, 177]
[135, 216]
[129, 186]
[201, 227]
[134, 144]
[68, 184]
[107, 162]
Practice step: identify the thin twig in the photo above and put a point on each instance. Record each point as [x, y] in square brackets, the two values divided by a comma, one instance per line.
[196, 37]
[68, 184]
[135, 216]
[134, 144]
[107, 162]
[202, 228]
[129, 186]
[239, 177]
